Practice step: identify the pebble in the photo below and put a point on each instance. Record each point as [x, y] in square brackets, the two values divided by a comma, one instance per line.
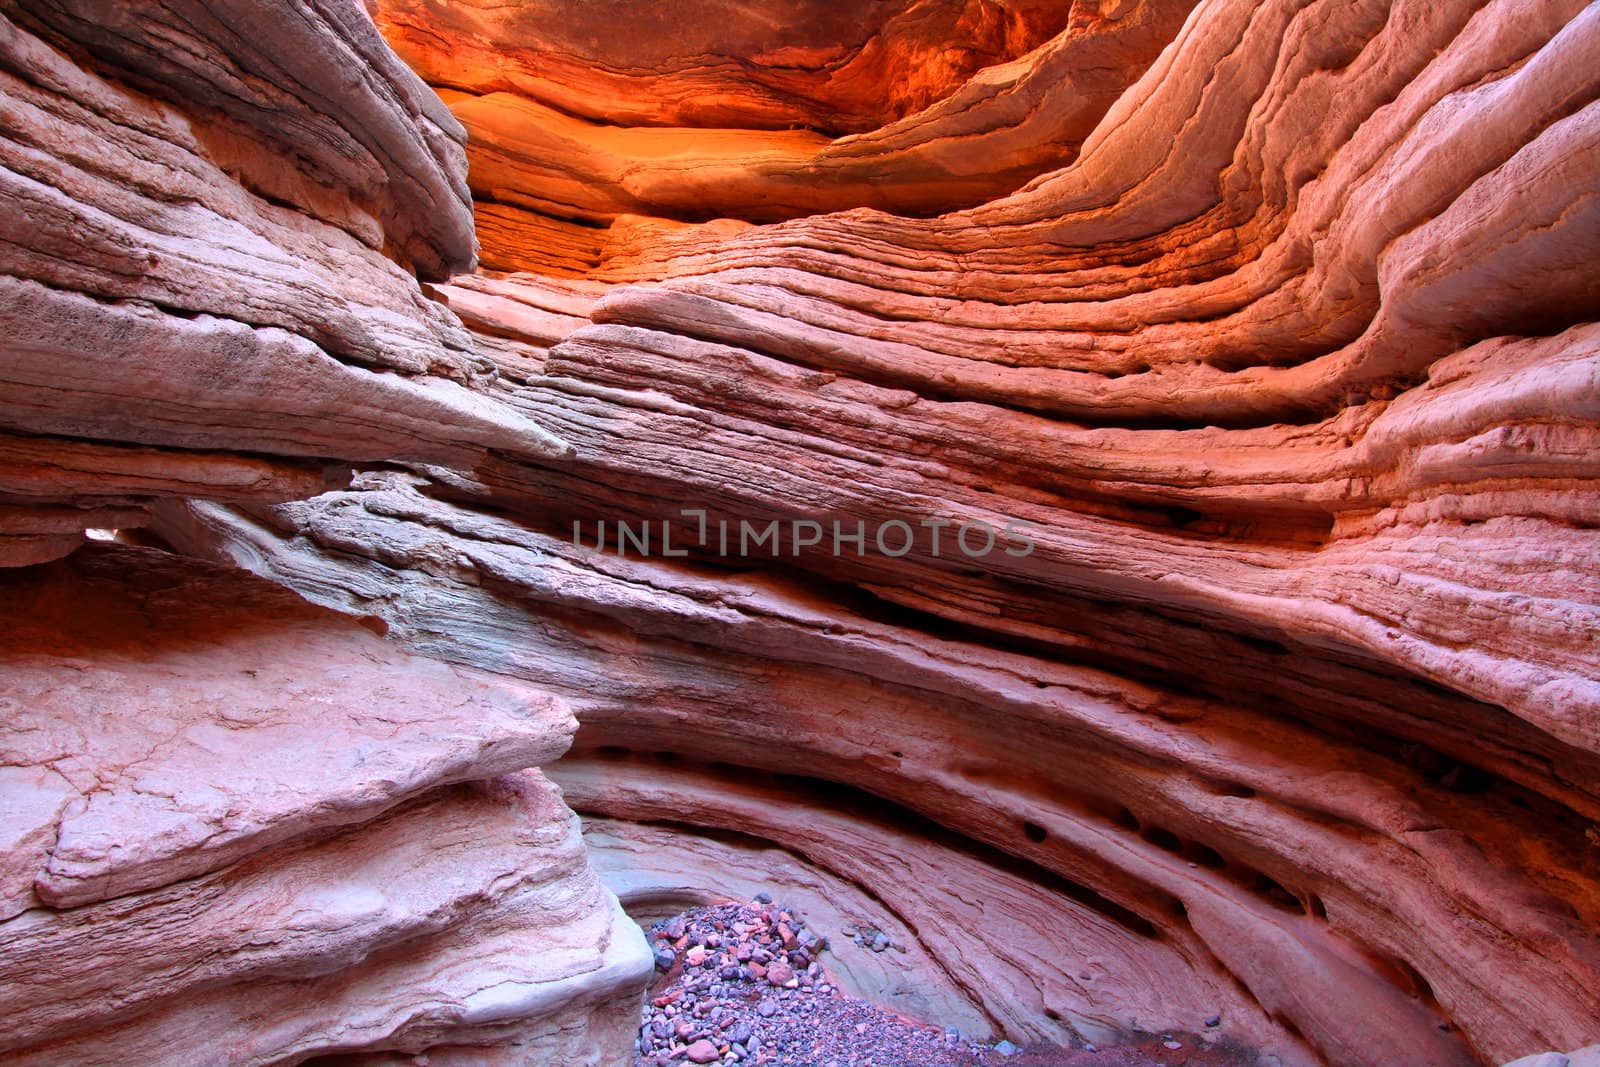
[1213, 1020]
[753, 990]
[1173, 1045]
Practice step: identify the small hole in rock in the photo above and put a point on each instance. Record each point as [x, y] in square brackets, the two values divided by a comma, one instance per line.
[1276, 894]
[1163, 839]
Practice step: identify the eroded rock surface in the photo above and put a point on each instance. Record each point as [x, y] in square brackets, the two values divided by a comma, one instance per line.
[236, 828]
[238, 822]
[583, 114]
[1289, 377]
[1271, 324]
[207, 287]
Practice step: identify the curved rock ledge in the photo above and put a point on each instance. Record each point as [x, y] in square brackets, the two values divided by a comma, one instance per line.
[1271, 849]
[208, 275]
[749, 128]
[409, 884]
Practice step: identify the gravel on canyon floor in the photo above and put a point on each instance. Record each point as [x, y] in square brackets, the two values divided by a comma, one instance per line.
[746, 983]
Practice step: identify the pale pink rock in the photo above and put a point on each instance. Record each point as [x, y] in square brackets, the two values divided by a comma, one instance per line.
[702, 1051]
[229, 813]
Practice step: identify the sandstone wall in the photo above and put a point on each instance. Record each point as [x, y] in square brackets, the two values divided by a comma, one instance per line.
[1273, 322]
[236, 828]
[1290, 372]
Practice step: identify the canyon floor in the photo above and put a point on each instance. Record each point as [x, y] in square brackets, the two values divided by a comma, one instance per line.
[751, 983]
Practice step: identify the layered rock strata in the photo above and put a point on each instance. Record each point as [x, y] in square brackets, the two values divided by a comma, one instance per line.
[206, 285]
[235, 828]
[1273, 335]
[1288, 378]
[761, 112]
[243, 829]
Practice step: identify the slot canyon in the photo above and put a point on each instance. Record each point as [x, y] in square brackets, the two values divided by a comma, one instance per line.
[1102, 495]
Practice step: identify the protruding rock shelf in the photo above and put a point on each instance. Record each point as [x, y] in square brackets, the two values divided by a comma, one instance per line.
[240, 826]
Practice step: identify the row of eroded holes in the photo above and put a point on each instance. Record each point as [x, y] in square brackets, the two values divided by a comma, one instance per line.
[1248, 878]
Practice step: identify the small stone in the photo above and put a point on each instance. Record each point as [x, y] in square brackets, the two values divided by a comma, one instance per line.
[1173, 1045]
[780, 973]
[1006, 1048]
[740, 1033]
[767, 1009]
[763, 898]
[695, 956]
[880, 942]
[665, 958]
[703, 1051]
[1213, 1020]
[1090, 1048]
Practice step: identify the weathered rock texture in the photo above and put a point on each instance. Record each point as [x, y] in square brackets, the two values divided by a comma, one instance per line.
[213, 213]
[581, 114]
[236, 828]
[1292, 711]
[242, 829]
[1275, 332]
